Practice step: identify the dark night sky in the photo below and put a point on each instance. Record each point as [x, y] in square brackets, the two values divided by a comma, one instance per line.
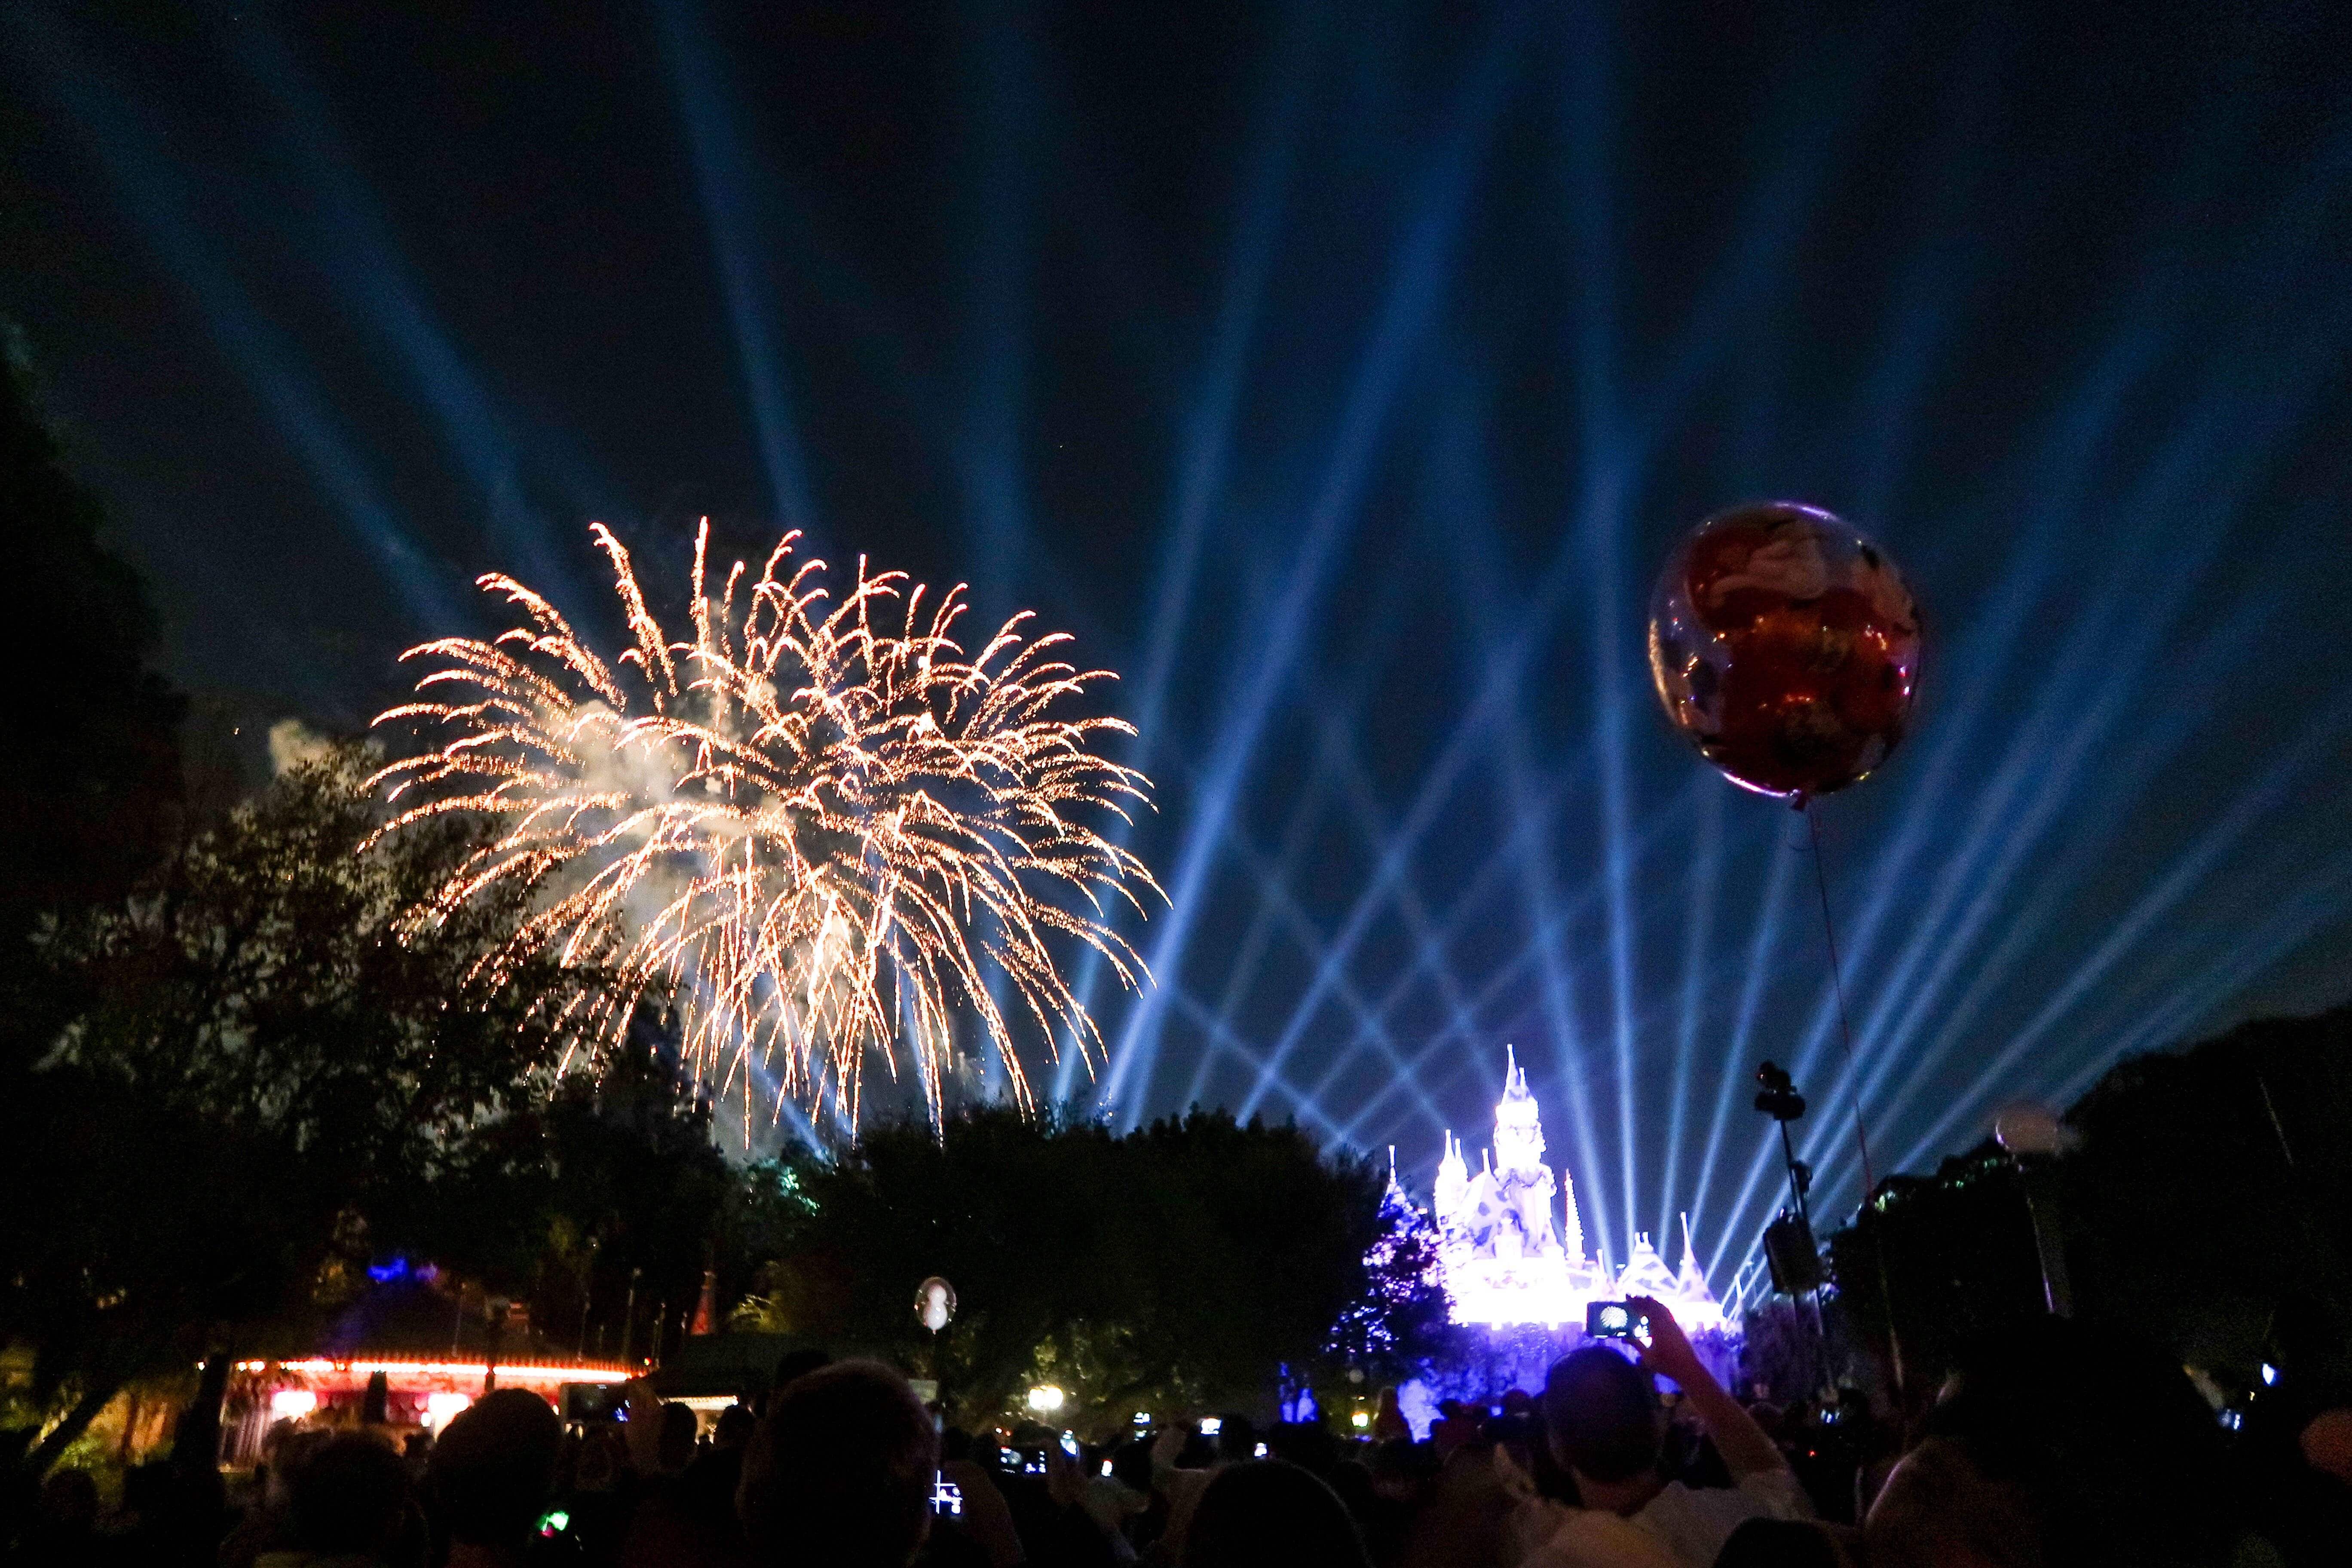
[1340, 375]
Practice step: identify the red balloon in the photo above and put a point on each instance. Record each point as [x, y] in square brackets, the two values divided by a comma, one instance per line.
[1785, 648]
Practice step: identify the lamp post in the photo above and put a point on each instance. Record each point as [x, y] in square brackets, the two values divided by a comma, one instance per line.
[1789, 1245]
[587, 1291]
[496, 1310]
[2034, 1138]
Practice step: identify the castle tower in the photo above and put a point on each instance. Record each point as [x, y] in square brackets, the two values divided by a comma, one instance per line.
[1453, 1180]
[1519, 1128]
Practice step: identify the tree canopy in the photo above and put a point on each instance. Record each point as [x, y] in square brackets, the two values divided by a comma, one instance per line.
[1180, 1265]
[257, 1058]
[90, 785]
[2207, 1208]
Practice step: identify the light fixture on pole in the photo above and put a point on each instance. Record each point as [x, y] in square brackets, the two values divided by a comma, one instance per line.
[1789, 1245]
[2034, 1138]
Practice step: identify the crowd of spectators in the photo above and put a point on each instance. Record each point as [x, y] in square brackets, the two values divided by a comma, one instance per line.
[2054, 1447]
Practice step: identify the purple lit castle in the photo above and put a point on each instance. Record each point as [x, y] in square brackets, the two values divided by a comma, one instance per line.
[1502, 1258]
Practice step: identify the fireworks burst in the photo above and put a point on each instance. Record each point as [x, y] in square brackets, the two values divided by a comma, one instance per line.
[821, 835]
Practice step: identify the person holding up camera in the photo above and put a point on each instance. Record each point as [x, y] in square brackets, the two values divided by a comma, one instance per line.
[1607, 1428]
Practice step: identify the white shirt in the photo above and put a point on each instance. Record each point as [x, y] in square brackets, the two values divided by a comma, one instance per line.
[1693, 1522]
[1682, 1527]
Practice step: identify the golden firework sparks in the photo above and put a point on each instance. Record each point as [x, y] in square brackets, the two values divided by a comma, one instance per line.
[825, 837]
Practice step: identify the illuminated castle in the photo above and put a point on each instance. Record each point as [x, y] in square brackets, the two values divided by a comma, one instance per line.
[1503, 1259]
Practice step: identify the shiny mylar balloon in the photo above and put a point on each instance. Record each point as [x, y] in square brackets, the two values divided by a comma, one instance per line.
[1786, 647]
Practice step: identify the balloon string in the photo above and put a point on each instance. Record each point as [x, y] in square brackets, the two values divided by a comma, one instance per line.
[1837, 985]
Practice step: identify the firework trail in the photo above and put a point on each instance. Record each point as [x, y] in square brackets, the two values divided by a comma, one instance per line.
[820, 835]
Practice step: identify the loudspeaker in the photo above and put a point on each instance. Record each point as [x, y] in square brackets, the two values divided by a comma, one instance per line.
[1795, 1261]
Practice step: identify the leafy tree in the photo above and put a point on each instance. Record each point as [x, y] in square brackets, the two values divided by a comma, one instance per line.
[2207, 1208]
[1401, 1319]
[1953, 1253]
[1179, 1265]
[90, 783]
[614, 1179]
[257, 1062]
[2210, 1203]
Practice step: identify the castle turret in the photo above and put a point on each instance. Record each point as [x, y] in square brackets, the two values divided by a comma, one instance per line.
[1518, 1129]
[1453, 1180]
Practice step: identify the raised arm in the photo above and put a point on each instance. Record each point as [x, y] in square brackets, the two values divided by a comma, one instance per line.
[1745, 1448]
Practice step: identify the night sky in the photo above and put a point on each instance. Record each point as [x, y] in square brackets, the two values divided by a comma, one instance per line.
[1341, 375]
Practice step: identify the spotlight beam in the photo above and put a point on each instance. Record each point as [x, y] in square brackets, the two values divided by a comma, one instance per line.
[1705, 877]
[1598, 521]
[1929, 935]
[1413, 288]
[723, 183]
[127, 146]
[1303, 1105]
[1206, 452]
[2187, 871]
[2135, 351]
[363, 265]
[2287, 924]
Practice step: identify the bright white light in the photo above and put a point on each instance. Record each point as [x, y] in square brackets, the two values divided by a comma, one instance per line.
[1261, 1451]
[1364, 1419]
[440, 1406]
[2270, 1375]
[1513, 1248]
[1045, 1399]
[1143, 1418]
[293, 1404]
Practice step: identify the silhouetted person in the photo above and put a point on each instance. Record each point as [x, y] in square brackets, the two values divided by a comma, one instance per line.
[1306, 1444]
[1236, 1439]
[175, 1508]
[2057, 1444]
[1607, 1428]
[602, 1497]
[1388, 1421]
[691, 1518]
[349, 1500]
[734, 1428]
[840, 1472]
[799, 1363]
[64, 1522]
[1271, 1514]
[490, 1477]
[675, 1451]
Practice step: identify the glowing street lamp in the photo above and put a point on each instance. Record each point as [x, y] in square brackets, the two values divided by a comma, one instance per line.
[293, 1404]
[2034, 1138]
[443, 1406]
[1045, 1399]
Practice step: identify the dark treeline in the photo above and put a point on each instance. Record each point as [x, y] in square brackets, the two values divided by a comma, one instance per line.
[1182, 1266]
[233, 1071]
[2206, 1207]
